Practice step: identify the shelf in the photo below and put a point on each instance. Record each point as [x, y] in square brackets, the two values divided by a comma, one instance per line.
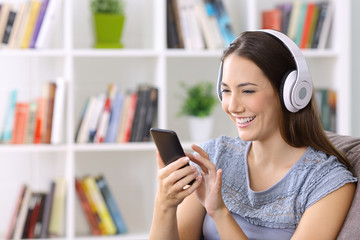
[32, 148]
[146, 146]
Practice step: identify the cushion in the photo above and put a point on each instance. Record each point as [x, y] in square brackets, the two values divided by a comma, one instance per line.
[351, 147]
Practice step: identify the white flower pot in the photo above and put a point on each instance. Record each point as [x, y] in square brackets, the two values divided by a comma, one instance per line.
[200, 128]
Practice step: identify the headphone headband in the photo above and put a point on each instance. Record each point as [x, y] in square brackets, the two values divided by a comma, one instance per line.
[298, 88]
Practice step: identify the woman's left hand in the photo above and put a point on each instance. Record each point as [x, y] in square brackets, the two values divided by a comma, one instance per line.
[209, 192]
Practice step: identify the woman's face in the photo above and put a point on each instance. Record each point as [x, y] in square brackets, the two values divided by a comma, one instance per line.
[249, 99]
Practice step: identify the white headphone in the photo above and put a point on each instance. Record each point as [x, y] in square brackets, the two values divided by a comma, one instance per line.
[297, 86]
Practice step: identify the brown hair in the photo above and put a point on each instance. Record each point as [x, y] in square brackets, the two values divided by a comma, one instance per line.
[299, 129]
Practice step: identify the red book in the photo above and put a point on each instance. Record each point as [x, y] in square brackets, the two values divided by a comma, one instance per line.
[21, 115]
[93, 222]
[307, 24]
[271, 19]
[131, 115]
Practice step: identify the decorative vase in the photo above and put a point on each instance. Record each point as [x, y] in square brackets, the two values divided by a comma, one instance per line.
[200, 128]
[108, 30]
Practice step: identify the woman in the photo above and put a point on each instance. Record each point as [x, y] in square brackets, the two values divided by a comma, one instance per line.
[280, 179]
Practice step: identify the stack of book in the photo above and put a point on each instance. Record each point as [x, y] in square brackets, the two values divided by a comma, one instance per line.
[198, 24]
[307, 23]
[99, 206]
[39, 214]
[28, 24]
[36, 121]
[117, 117]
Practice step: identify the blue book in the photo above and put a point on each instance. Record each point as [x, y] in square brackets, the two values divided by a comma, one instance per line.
[111, 204]
[114, 121]
[9, 119]
[224, 22]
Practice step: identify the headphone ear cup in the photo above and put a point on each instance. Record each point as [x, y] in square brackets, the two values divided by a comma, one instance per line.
[286, 90]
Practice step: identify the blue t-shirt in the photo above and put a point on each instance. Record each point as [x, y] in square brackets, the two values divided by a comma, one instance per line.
[275, 212]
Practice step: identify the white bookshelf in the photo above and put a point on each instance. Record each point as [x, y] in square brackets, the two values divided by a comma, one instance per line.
[131, 168]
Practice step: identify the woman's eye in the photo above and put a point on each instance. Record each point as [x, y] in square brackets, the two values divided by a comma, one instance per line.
[225, 91]
[248, 91]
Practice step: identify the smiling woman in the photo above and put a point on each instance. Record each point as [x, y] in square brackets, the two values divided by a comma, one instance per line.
[280, 177]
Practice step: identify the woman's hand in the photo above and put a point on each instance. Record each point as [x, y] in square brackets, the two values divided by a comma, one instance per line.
[209, 193]
[173, 182]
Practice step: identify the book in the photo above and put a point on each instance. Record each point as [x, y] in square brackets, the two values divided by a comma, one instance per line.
[285, 9]
[152, 105]
[8, 27]
[300, 23]
[14, 216]
[7, 130]
[326, 104]
[38, 23]
[57, 217]
[39, 219]
[20, 121]
[184, 23]
[171, 26]
[224, 21]
[313, 27]
[323, 8]
[197, 42]
[271, 19]
[111, 204]
[325, 30]
[103, 122]
[47, 211]
[100, 205]
[207, 22]
[30, 211]
[294, 18]
[39, 119]
[115, 117]
[124, 117]
[175, 11]
[20, 13]
[58, 112]
[48, 120]
[51, 18]
[83, 135]
[31, 122]
[130, 117]
[92, 218]
[4, 15]
[94, 121]
[20, 222]
[140, 112]
[31, 21]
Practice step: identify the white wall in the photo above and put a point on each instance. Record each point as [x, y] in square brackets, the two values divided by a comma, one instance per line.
[355, 66]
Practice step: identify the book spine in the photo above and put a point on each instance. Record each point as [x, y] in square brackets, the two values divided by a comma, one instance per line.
[16, 26]
[56, 224]
[115, 117]
[8, 28]
[111, 204]
[94, 122]
[47, 211]
[20, 223]
[38, 23]
[100, 205]
[103, 123]
[34, 12]
[15, 214]
[58, 113]
[21, 116]
[93, 222]
[39, 120]
[49, 112]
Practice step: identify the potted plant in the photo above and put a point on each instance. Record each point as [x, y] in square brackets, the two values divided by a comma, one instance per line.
[198, 105]
[109, 19]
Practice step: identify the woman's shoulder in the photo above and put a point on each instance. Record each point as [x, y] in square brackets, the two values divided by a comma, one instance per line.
[322, 175]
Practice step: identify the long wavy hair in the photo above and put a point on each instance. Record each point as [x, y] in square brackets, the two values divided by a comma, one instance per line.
[300, 129]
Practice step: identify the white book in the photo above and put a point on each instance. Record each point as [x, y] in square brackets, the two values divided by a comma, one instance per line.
[103, 122]
[324, 35]
[83, 135]
[184, 23]
[94, 121]
[197, 42]
[57, 216]
[20, 13]
[20, 222]
[47, 27]
[208, 26]
[58, 113]
[294, 18]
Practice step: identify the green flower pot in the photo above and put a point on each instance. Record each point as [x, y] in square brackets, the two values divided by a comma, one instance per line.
[108, 30]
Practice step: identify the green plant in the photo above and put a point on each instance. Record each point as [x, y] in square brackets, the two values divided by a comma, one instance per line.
[107, 6]
[199, 101]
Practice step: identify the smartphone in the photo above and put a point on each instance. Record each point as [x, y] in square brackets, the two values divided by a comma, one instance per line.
[168, 144]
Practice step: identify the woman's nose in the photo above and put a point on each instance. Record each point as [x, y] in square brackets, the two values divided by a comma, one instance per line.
[235, 105]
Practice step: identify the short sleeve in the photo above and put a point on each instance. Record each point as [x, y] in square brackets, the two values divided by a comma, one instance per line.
[327, 177]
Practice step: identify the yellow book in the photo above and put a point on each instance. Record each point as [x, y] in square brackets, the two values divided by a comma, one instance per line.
[57, 217]
[100, 205]
[30, 24]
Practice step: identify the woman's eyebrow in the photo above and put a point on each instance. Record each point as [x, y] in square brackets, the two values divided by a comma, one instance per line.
[240, 85]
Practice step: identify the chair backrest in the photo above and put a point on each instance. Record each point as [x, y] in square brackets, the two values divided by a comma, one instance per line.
[351, 147]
